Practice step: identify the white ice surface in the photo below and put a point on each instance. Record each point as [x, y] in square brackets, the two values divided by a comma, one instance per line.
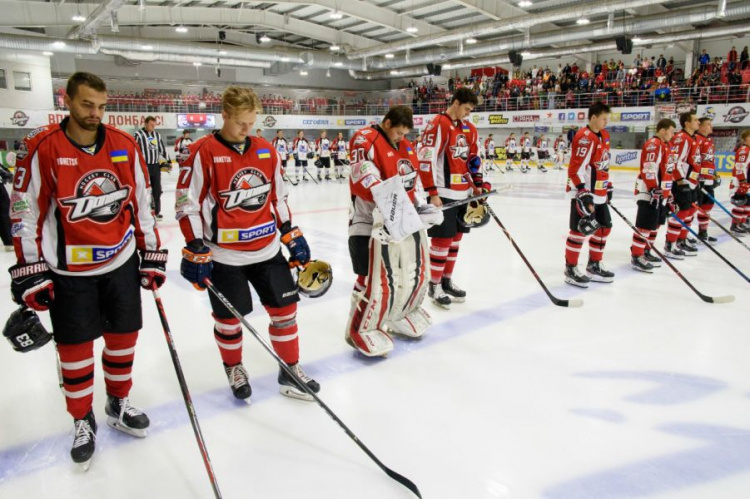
[642, 392]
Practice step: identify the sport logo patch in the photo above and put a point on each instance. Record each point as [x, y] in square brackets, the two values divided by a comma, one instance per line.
[248, 190]
[99, 197]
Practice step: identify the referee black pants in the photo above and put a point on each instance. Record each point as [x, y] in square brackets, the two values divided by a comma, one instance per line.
[5, 217]
[154, 175]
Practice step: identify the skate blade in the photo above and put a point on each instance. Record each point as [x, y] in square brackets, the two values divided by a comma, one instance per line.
[645, 271]
[455, 299]
[84, 466]
[295, 393]
[440, 305]
[115, 424]
[573, 282]
[691, 254]
[596, 278]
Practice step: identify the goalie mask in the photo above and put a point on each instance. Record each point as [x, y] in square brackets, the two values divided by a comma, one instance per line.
[476, 215]
[587, 226]
[24, 330]
[315, 279]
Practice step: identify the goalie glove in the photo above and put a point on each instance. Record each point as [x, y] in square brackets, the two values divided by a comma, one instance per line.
[584, 202]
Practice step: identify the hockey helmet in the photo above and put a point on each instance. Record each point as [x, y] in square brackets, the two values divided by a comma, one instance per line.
[587, 225]
[25, 331]
[310, 155]
[476, 215]
[315, 279]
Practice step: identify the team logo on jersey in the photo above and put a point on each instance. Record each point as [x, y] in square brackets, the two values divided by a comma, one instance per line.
[360, 140]
[461, 149]
[99, 197]
[407, 172]
[603, 164]
[248, 190]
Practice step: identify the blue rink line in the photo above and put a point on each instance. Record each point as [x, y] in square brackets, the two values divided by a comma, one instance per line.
[28, 458]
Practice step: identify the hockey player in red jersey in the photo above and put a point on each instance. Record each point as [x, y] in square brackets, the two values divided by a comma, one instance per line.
[686, 176]
[231, 202]
[740, 186]
[450, 169]
[590, 191]
[390, 264]
[652, 189]
[707, 178]
[80, 208]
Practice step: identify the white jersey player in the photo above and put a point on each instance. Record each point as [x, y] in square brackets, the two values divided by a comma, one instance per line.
[560, 147]
[511, 148]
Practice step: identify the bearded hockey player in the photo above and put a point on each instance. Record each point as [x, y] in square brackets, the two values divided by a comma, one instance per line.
[80, 207]
[450, 170]
[231, 202]
[686, 178]
[652, 189]
[390, 262]
[590, 191]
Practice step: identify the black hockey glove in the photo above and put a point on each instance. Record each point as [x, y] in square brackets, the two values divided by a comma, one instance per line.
[584, 202]
[153, 269]
[299, 251]
[5, 176]
[31, 285]
[610, 192]
[196, 263]
[656, 196]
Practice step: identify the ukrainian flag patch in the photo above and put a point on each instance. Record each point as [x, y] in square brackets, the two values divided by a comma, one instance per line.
[465, 129]
[410, 151]
[264, 153]
[119, 156]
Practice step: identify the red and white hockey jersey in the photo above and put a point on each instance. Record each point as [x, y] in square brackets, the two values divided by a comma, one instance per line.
[510, 145]
[657, 164]
[688, 158]
[323, 147]
[233, 197]
[301, 147]
[589, 164]
[84, 210]
[375, 159]
[340, 149]
[741, 171]
[446, 147]
[489, 147]
[707, 151]
[281, 146]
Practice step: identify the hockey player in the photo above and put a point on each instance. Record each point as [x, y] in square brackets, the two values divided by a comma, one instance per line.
[391, 275]
[542, 152]
[489, 154]
[590, 191]
[323, 149]
[560, 147]
[302, 151]
[340, 151]
[231, 201]
[652, 189]
[739, 187]
[525, 152]
[81, 206]
[686, 175]
[510, 151]
[282, 150]
[449, 150]
[706, 179]
[183, 141]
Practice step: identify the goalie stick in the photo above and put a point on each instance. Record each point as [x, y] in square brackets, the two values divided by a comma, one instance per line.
[721, 226]
[705, 298]
[557, 301]
[682, 222]
[186, 395]
[283, 365]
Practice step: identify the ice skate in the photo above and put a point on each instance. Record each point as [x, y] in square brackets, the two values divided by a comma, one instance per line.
[438, 296]
[654, 260]
[126, 418]
[84, 441]
[238, 381]
[575, 277]
[289, 387]
[641, 264]
[687, 248]
[671, 250]
[597, 272]
[455, 293]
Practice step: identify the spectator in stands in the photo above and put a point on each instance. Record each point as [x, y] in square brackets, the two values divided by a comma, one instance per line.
[744, 59]
[703, 60]
[732, 58]
[661, 63]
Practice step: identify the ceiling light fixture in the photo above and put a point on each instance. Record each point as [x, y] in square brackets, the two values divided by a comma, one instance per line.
[78, 18]
[338, 64]
[181, 29]
[412, 29]
[47, 53]
[303, 73]
[524, 3]
[336, 15]
[471, 41]
[582, 21]
[265, 38]
[147, 47]
[196, 64]
[389, 56]
[58, 44]
[394, 72]
[637, 40]
[335, 47]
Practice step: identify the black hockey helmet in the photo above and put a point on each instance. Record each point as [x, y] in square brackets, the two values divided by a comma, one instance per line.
[25, 331]
[315, 279]
[587, 225]
[476, 215]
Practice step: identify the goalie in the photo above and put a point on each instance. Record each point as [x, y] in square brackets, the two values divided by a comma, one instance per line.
[387, 236]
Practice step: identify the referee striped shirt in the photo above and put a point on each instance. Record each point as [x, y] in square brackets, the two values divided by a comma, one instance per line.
[152, 146]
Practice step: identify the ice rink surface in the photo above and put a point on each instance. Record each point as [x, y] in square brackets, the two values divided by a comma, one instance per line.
[644, 392]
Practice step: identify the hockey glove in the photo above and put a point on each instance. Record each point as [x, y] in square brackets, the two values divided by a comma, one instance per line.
[475, 164]
[5, 176]
[196, 263]
[656, 195]
[310, 155]
[584, 202]
[296, 158]
[738, 199]
[610, 192]
[31, 285]
[299, 251]
[318, 163]
[717, 180]
[153, 269]
[671, 208]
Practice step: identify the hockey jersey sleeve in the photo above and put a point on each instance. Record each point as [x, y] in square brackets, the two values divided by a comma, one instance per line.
[279, 194]
[433, 145]
[365, 173]
[651, 159]
[146, 234]
[580, 159]
[741, 162]
[192, 188]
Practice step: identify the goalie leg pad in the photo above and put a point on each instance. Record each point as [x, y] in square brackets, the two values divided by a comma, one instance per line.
[413, 325]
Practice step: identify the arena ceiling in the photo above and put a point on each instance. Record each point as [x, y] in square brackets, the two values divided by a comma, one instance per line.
[370, 38]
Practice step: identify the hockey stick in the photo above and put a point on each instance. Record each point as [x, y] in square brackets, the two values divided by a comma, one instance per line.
[682, 222]
[721, 226]
[716, 202]
[304, 169]
[453, 204]
[289, 179]
[557, 301]
[705, 298]
[186, 395]
[395, 476]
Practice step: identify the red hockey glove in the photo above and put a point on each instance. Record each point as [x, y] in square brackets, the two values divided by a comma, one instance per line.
[31, 285]
[153, 269]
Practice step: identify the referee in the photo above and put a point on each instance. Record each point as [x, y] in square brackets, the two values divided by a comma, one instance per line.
[152, 147]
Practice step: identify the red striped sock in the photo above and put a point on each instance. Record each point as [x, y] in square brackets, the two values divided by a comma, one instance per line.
[117, 362]
[77, 367]
[228, 336]
[283, 332]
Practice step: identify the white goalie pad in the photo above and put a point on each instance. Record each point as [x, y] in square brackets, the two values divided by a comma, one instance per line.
[413, 325]
[399, 215]
[363, 328]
